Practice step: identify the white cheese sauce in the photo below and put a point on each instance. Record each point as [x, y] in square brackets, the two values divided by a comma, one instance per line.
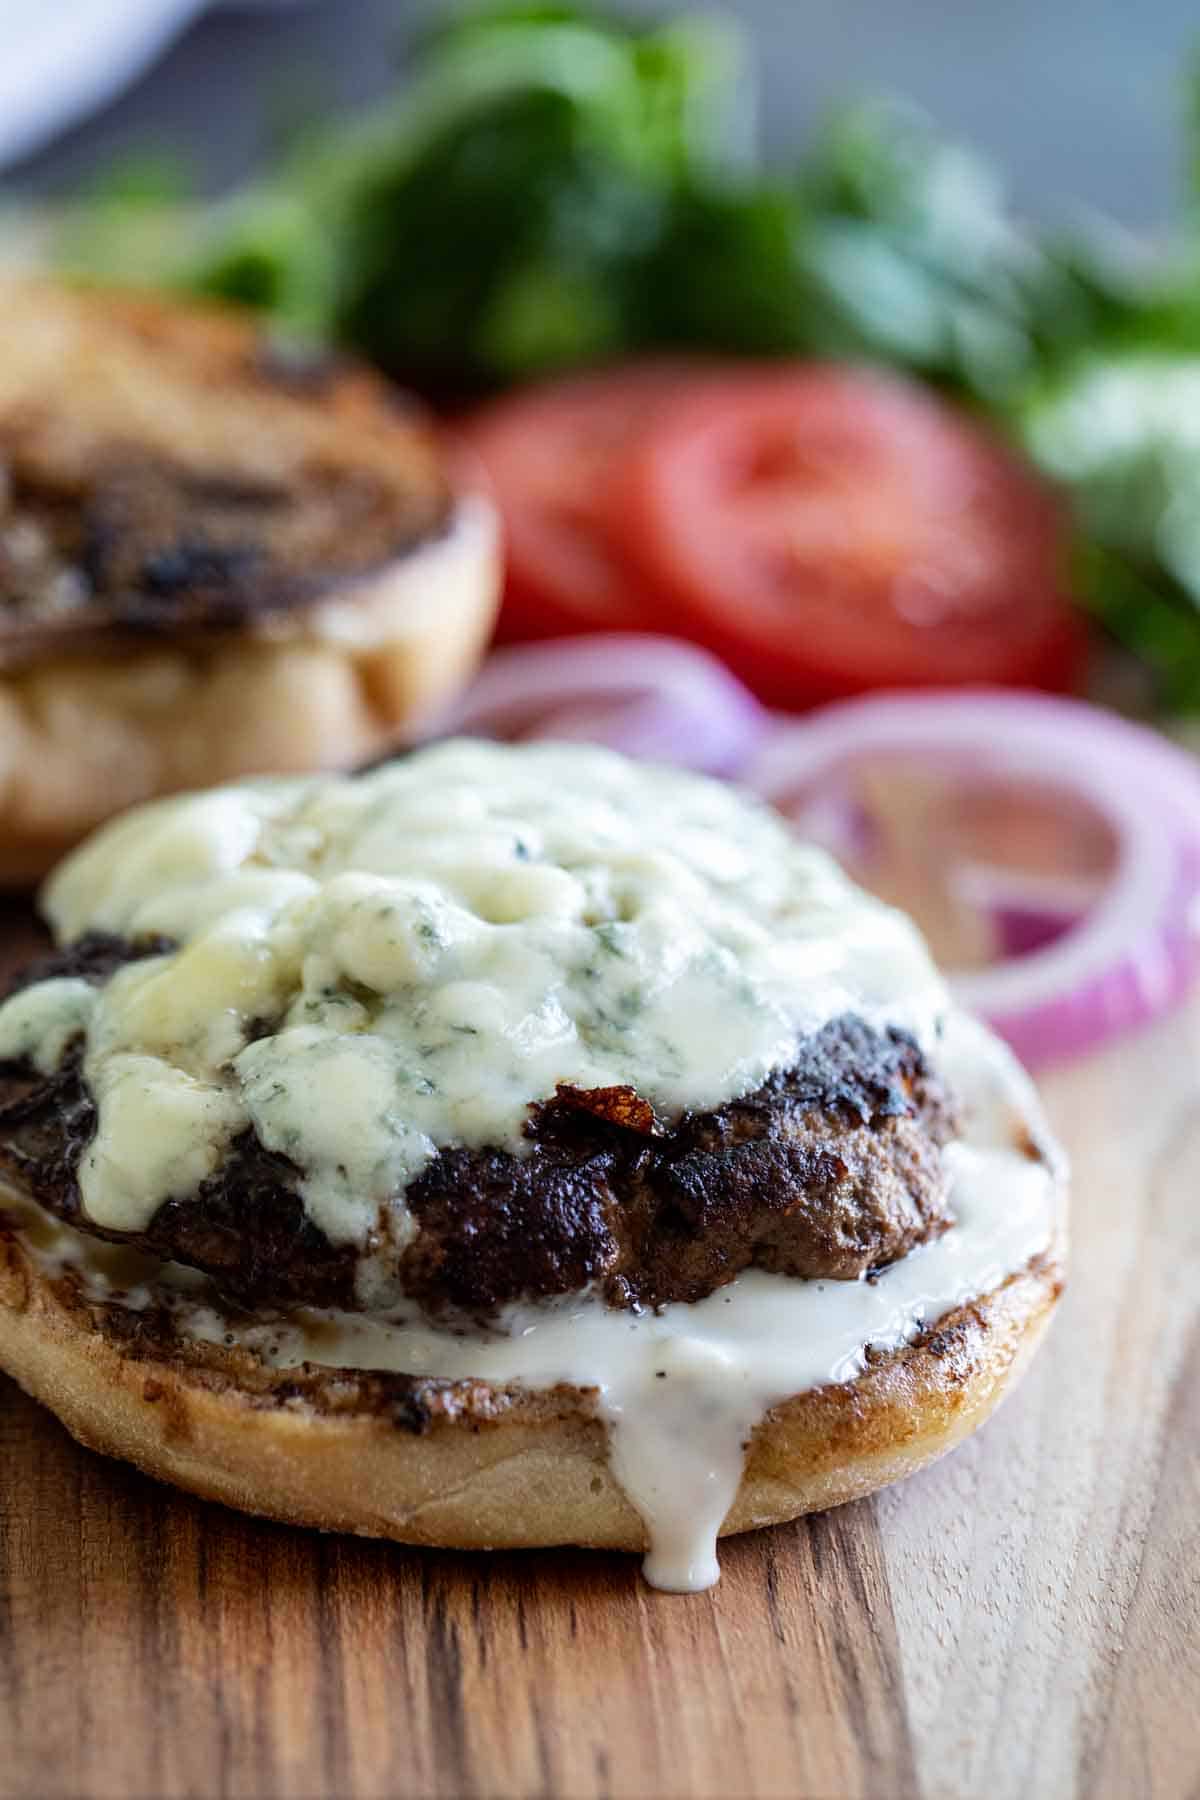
[683, 1390]
[372, 969]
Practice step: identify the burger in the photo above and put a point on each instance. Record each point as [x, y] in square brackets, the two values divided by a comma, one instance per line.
[509, 1146]
[220, 552]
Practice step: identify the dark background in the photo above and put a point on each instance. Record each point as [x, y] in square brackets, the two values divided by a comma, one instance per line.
[1079, 100]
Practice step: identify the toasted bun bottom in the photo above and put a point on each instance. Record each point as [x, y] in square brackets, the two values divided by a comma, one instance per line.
[324, 686]
[473, 1467]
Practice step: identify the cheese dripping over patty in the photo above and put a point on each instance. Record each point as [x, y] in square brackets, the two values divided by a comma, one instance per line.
[372, 968]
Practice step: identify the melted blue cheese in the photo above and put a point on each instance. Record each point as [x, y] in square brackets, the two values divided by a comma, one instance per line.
[38, 1023]
[373, 969]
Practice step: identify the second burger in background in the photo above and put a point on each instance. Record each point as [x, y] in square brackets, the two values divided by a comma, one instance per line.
[219, 554]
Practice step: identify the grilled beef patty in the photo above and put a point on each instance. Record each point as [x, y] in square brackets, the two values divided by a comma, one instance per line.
[829, 1170]
[167, 469]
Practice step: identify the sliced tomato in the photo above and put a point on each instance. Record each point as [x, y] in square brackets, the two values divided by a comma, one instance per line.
[829, 530]
[551, 453]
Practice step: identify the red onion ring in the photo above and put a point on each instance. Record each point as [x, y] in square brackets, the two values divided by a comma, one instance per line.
[648, 696]
[1134, 951]
[1026, 912]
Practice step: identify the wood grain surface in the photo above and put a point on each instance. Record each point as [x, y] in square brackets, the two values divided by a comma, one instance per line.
[1021, 1620]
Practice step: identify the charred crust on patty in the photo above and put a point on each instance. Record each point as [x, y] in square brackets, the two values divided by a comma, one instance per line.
[94, 957]
[145, 547]
[47, 1121]
[829, 1170]
[245, 1225]
[127, 513]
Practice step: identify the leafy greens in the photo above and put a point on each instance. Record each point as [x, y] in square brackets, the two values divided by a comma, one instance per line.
[551, 188]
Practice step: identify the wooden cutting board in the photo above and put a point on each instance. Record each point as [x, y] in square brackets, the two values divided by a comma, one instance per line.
[1021, 1620]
